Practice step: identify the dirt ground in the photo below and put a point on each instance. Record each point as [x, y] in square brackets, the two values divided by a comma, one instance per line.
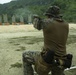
[15, 39]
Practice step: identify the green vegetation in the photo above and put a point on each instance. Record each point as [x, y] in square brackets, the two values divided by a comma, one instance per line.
[22, 48]
[26, 7]
[26, 40]
[17, 64]
[71, 39]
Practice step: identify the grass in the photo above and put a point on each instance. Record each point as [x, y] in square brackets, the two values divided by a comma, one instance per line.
[32, 40]
[26, 40]
[71, 39]
[17, 65]
[71, 72]
[16, 44]
[22, 48]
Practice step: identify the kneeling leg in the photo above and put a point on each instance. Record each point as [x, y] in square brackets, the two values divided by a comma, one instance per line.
[27, 66]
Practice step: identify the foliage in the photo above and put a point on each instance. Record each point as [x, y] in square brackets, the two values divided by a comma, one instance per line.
[17, 64]
[26, 7]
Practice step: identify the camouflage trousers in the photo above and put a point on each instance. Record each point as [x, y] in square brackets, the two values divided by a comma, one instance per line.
[29, 59]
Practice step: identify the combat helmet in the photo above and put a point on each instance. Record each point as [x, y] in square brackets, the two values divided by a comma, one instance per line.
[53, 11]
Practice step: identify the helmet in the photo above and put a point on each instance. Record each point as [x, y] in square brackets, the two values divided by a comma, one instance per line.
[53, 11]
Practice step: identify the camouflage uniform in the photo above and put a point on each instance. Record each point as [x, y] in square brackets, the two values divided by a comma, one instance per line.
[55, 31]
[30, 64]
[29, 58]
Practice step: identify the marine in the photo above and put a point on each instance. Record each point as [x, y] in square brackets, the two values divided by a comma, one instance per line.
[53, 58]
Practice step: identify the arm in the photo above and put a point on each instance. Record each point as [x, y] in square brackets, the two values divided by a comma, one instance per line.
[37, 23]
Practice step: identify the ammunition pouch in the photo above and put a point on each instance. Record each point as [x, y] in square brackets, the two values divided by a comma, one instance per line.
[41, 67]
[48, 57]
[68, 61]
